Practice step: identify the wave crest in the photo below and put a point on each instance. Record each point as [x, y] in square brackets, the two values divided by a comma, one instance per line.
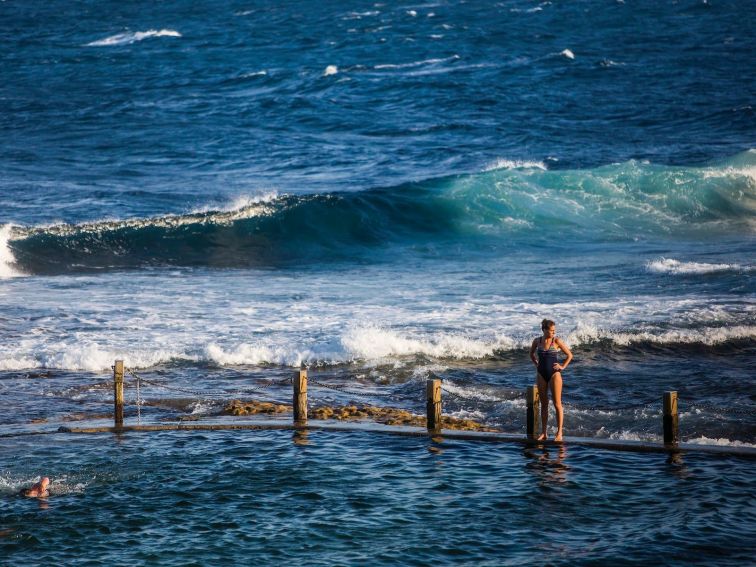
[132, 37]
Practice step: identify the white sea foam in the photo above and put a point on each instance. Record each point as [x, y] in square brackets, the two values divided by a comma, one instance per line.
[367, 343]
[89, 357]
[502, 163]
[132, 37]
[94, 358]
[19, 362]
[6, 255]
[671, 266]
[330, 70]
[567, 53]
[253, 354]
[375, 342]
[360, 344]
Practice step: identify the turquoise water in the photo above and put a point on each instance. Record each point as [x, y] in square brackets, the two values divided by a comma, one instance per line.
[328, 498]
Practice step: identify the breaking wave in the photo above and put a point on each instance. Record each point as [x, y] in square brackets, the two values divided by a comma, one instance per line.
[625, 201]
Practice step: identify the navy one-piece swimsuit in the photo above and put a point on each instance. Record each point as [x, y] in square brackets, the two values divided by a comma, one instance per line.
[547, 358]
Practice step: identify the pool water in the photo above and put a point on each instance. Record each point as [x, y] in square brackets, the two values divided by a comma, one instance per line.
[334, 498]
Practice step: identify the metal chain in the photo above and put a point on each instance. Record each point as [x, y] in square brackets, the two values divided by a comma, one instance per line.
[343, 389]
[691, 405]
[139, 401]
[460, 396]
[614, 408]
[577, 406]
[199, 394]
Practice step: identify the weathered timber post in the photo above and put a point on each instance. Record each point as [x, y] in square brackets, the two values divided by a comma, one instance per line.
[118, 393]
[300, 397]
[433, 404]
[671, 431]
[533, 403]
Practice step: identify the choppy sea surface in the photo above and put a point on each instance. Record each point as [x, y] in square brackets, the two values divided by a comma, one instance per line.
[218, 193]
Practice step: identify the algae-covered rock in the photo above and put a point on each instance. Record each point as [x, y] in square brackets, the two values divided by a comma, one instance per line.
[390, 416]
[253, 407]
[387, 416]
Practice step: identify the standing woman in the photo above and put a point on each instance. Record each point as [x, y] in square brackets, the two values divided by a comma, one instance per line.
[549, 374]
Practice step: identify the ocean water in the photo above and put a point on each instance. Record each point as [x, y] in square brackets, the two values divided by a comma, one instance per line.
[218, 193]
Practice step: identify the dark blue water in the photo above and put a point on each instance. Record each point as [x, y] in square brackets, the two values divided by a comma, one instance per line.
[100, 107]
[217, 193]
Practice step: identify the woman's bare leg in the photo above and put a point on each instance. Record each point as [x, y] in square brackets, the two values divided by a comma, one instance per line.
[543, 396]
[556, 393]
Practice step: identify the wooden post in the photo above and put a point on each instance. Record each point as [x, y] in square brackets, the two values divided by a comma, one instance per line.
[671, 432]
[300, 397]
[433, 404]
[118, 392]
[533, 404]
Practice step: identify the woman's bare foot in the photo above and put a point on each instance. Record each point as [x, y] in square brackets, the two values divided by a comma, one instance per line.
[558, 436]
[542, 437]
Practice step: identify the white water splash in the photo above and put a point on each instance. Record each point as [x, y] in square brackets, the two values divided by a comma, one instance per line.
[241, 203]
[6, 255]
[330, 70]
[567, 53]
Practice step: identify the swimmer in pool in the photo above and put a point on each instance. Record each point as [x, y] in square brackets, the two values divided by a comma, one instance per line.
[38, 489]
[549, 373]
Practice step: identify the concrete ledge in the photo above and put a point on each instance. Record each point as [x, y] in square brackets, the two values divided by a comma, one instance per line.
[314, 425]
